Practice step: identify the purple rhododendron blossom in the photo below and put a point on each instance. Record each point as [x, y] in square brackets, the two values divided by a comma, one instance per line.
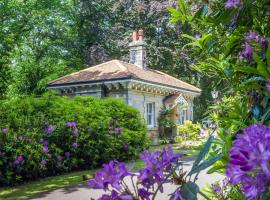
[59, 158]
[233, 3]
[4, 130]
[247, 52]
[76, 133]
[111, 174]
[118, 130]
[157, 163]
[18, 160]
[176, 195]
[249, 160]
[216, 188]
[267, 85]
[116, 196]
[45, 149]
[67, 154]
[75, 145]
[126, 147]
[144, 194]
[48, 130]
[45, 143]
[71, 124]
[253, 36]
[43, 162]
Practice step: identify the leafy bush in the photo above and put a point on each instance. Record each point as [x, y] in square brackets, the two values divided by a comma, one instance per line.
[188, 131]
[50, 135]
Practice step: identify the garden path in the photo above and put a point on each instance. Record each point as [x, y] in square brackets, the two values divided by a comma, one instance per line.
[83, 192]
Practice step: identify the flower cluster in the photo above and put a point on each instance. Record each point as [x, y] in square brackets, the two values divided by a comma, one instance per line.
[153, 175]
[233, 4]
[4, 130]
[71, 124]
[249, 160]
[19, 160]
[250, 38]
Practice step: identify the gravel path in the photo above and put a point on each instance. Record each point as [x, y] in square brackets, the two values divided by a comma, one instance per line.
[83, 192]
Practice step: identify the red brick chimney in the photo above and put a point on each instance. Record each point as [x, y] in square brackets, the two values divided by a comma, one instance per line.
[141, 34]
[134, 36]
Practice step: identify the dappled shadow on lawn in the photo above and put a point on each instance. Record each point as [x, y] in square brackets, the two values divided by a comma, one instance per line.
[65, 190]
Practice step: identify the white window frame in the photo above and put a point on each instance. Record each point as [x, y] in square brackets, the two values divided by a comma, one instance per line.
[151, 114]
[183, 115]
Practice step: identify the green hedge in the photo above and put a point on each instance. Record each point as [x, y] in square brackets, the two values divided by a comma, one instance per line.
[51, 135]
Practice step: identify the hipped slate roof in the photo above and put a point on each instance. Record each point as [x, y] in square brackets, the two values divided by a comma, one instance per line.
[118, 70]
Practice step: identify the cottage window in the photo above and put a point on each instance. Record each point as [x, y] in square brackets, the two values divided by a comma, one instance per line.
[150, 114]
[183, 116]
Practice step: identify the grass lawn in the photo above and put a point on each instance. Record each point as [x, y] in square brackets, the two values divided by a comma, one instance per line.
[56, 182]
[43, 185]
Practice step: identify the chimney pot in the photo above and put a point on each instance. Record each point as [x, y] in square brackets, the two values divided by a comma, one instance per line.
[134, 36]
[141, 34]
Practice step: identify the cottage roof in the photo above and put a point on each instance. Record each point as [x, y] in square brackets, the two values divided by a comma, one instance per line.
[119, 70]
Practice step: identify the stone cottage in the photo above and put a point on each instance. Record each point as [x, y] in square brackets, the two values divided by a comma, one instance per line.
[138, 85]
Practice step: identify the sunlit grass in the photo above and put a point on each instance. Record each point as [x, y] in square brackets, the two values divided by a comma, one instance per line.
[43, 185]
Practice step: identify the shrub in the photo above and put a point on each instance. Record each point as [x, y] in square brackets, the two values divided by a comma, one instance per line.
[188, 131]
[51, 135]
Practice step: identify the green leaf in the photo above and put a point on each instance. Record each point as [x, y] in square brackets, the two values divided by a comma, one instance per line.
[217, 167]
[266, 116]
[183, 6]
[256, 111]
[189, 191]
[261, 67]
[205, 164]
[246, 69]
[203, 151]
[268, 56]
[189, 37]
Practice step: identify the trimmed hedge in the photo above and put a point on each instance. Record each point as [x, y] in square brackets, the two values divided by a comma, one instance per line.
[50, 135]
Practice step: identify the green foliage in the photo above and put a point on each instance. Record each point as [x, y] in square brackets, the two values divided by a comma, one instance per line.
[189, 131]
[98, 141]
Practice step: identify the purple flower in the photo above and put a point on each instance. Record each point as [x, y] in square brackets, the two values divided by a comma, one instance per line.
[118, 130]
[249, 158]
[116, 196]
[111, 174]
[75, 133]
[216, 188]
[157, 163]
[126, 147]
[43, 162]
[67, 154]
[247, 52]
[59, 158]
[49, 155]
[48, 130]
[144, 194]
[233, 4]
[71, 124]
[252, 36]
[176, 195]
[4, 130]
[41, 140]
[267, 85]
[18, 160]
[45, 149]
[45, 143]
[75, 145]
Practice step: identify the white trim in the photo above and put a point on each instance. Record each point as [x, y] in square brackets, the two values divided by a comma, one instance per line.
[166, 87]
[124, 81]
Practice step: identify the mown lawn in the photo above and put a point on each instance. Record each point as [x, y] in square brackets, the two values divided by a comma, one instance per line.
[57, 182]
[43, 185]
